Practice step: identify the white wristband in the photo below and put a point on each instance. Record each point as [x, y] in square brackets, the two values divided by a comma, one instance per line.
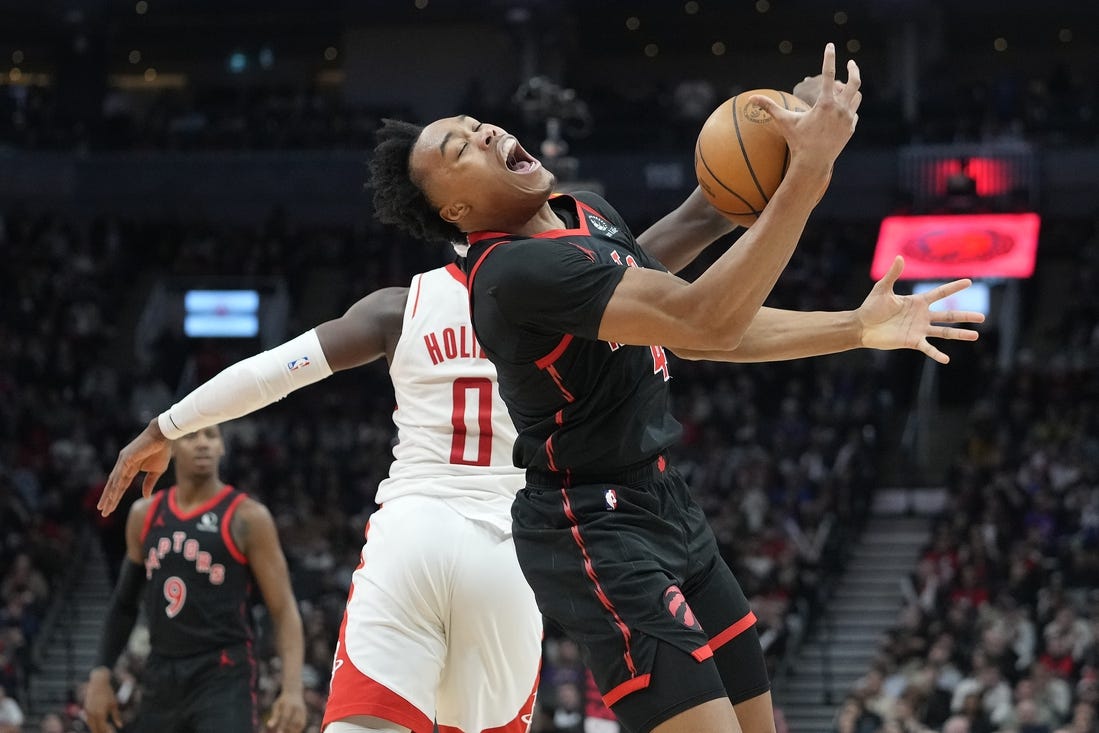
[248, 385]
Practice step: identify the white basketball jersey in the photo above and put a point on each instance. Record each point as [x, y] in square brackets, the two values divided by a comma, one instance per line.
[454, 434]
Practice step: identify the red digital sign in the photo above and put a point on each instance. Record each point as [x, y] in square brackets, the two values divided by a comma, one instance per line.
[991, 177]
[955, 246]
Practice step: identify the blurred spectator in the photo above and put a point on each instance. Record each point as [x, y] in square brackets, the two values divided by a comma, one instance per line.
[853, 717]
[11, 715]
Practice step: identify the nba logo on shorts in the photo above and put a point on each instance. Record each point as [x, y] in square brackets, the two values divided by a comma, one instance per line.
[612, 500]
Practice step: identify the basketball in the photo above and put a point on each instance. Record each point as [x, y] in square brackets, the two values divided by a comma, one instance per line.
[741, 157]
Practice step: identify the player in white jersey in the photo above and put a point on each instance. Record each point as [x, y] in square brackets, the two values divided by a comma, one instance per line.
[440, 625]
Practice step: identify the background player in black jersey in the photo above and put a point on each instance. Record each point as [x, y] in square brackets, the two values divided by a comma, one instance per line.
[575, 313]
[194, 550]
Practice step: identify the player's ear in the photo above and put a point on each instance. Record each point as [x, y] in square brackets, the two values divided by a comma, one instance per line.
[454, 212]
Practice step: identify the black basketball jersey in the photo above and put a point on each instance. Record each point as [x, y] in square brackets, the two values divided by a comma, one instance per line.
[199, 585]
[580, 404]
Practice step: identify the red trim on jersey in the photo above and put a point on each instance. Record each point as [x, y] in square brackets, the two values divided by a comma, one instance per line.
[416, 299]
[549, 454]
[477, 265]
[560, 385]
[456, 273]
[589, 568]
[153, 506]
[581, 208]
[733, 631]
[475, 237]
[204, 507]
[227, 535]
[559, 417]
[581, 230]
[703, 653]
[554, 355]
[631, 685]
[587, 252]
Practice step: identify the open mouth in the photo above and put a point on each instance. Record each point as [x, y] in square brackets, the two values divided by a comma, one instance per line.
[518, 160]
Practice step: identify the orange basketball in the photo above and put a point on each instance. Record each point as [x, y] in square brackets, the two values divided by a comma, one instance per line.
[741, 157]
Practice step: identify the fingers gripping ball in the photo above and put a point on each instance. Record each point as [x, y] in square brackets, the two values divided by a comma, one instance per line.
[741, 157]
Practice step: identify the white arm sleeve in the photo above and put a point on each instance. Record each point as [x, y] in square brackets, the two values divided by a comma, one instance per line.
[248, 385]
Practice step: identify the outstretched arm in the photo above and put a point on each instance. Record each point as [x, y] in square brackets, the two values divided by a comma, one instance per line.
[884, 321]
[257, 538]
[367, 331]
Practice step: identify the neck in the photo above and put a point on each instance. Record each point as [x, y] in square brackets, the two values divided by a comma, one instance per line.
[544, 220]
[197, 489]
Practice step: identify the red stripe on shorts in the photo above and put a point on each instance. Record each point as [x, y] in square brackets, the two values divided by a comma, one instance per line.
[589, 568]
[630, 685]
[733, 631]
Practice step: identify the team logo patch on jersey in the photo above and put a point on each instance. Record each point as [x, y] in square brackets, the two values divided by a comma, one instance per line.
[611, 498]
[207, 523]
[602, 226]
[677, 606]
[300, 363]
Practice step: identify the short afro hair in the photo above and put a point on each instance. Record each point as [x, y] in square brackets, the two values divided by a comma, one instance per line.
[397, 198]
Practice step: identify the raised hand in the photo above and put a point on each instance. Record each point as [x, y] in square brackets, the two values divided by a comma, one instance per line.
[891, 321]
[150, 452]
[818, 136]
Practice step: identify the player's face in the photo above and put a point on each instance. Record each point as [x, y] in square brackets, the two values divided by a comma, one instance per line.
[197, 454]
[478, 176]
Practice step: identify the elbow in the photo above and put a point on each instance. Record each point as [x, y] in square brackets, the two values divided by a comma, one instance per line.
[703, 332]
[286, 615]
[705, 322]
[733, 335]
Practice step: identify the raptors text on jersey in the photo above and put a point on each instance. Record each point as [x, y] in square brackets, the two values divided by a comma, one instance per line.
[198, 589]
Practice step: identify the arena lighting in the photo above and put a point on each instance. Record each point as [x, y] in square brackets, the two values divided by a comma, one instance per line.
[221, 313]
[963, 245]
[238, 62]
[993, 177]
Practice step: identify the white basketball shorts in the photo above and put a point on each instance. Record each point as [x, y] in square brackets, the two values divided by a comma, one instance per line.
[440, 626]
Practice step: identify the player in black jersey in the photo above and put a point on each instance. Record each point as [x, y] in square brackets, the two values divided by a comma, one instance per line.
[575, 314]
[193, 552]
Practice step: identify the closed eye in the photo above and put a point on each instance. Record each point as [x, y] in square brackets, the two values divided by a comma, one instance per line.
[466, 145]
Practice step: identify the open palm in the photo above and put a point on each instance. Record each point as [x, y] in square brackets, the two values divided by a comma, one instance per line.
[891, 321]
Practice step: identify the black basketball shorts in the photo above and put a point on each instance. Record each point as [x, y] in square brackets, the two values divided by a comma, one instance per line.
[629, 568]
[212, 692]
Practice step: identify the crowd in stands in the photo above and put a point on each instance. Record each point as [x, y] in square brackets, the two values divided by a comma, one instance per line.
[32, 117]
[57, 416]
[999, 631]
[1055, 107]
[782, 457]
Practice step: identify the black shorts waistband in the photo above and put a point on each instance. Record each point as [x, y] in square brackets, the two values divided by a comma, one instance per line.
[640, 474]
